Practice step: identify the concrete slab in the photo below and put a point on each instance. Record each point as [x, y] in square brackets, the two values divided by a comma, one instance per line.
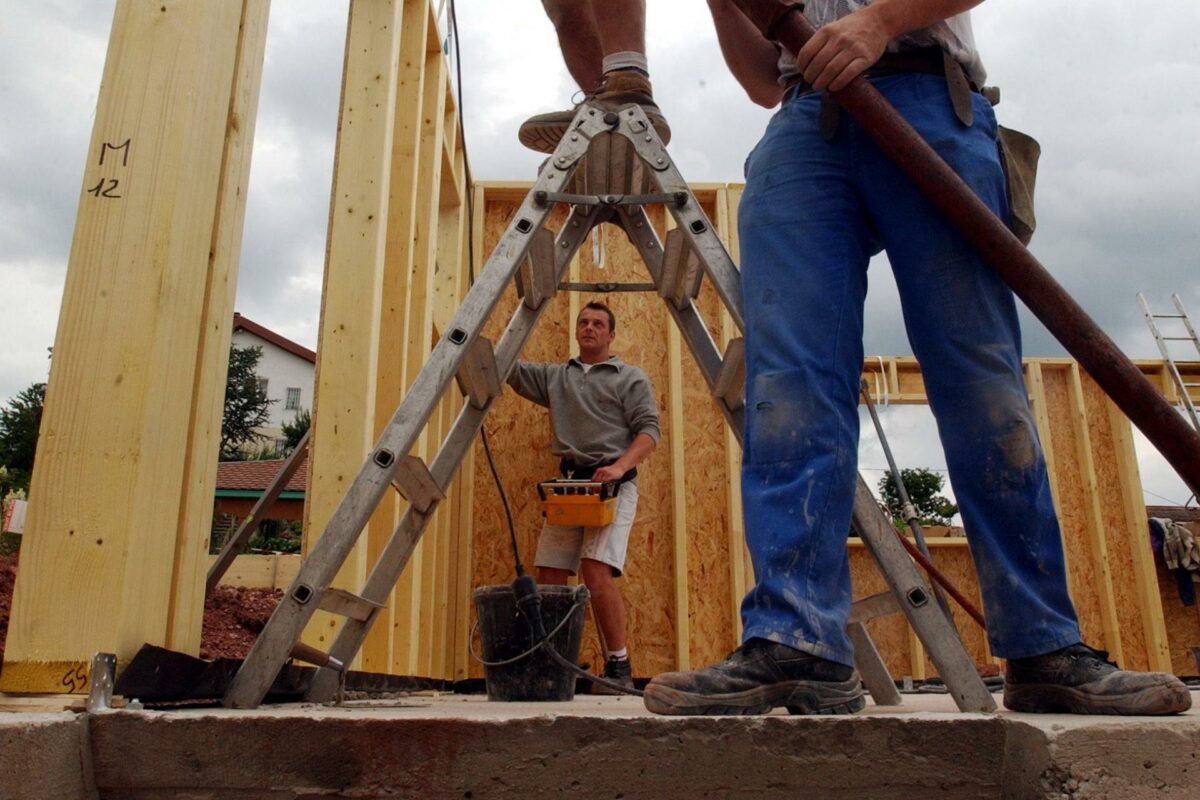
[467, 747]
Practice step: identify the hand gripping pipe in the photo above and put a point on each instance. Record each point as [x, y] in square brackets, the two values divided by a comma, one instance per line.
[1116, 375]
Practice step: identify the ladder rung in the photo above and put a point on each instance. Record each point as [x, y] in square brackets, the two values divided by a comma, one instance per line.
[347, 604]
[535, 279]
[1178, 339]
[1169, 316]
[731, 380]
[415, 484]
[479, 377]
[681, 272]
[873, 607]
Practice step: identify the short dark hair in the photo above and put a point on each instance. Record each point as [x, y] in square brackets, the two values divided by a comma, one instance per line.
[596, 305]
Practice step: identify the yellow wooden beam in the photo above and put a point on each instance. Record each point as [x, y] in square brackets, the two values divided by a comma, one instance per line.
[121, 500]
[1158, 653]
[741, 574]
[348, 350]
[1093, 515]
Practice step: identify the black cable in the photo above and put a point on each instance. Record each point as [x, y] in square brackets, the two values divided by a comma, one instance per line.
[533, 614]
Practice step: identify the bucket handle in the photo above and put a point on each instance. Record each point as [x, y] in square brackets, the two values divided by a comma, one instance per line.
[475, 627]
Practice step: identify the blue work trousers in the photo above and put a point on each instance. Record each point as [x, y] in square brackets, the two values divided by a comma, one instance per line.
[813, 214]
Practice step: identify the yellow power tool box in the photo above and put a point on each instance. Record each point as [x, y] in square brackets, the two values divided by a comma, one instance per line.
[591, 504]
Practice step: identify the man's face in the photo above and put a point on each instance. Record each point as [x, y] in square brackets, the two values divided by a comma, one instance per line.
[591, 330]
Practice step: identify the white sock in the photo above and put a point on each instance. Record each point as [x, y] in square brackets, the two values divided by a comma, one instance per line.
[622, 654]
[625, 60]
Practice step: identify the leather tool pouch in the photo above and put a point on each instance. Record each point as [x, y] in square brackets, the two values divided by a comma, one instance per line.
[1019, 156]
[1018, 152]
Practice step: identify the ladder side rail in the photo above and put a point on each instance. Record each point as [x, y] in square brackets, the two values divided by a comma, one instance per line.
[690, 216]
[403, 542]
[1187, 321]
[1185, 400]
[691, 324]
[940, 638]
[274, 644]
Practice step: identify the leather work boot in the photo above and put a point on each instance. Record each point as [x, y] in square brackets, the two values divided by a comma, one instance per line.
[615, 669]
[543, 132]
[1080, 680]
[757, 677]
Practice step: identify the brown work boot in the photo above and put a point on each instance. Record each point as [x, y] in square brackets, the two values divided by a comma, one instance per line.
[617, 670]
[543, 132]
[757, 677]
[1080, 680]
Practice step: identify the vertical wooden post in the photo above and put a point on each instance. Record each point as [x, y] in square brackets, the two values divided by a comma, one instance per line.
[741, 573]
[121, 500]
[343, 427]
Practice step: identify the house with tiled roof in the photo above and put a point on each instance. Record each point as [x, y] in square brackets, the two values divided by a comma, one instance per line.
[286, 370]
[241, 483]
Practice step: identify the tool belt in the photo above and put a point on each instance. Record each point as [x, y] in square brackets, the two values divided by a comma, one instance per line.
[569, 469]
[1019, 152]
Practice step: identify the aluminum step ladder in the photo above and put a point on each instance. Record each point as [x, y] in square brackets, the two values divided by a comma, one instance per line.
[608, 167]
[1187, 406]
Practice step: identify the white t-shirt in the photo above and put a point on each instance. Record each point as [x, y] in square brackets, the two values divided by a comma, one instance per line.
[954, 34]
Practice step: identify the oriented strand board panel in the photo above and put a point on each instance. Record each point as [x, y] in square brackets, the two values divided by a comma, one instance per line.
[1182, 622]
[121, 501]
[1069, 501]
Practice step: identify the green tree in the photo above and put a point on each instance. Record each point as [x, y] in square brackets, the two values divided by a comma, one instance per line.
[922, 486]
[246, 405]
[294, 431]
[19, 423]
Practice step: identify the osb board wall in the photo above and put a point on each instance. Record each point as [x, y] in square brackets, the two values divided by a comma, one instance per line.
[1183, 622]
[1096, 506]
[520, 438]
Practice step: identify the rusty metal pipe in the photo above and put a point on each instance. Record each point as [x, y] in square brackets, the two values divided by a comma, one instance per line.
[1016, 266]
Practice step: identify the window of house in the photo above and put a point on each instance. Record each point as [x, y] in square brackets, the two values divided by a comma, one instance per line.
[261, 383]
[293, 399]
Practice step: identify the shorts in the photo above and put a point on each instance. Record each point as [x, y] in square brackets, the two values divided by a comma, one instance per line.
[564, 546]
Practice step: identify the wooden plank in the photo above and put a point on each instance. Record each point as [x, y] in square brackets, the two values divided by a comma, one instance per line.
[679, 530]
[343, 426]
[1093, 516]
[1158, 653]
[421, 294]
[389, 642]
[741, 573]
[121, 501]
[1041, 416]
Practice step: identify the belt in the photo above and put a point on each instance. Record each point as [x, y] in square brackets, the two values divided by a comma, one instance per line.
[568, 468]
[927, 60]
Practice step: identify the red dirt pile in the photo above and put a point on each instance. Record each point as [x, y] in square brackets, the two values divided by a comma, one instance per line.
[233, 615]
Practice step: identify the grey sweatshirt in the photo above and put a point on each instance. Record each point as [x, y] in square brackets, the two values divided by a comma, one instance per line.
[594, 415]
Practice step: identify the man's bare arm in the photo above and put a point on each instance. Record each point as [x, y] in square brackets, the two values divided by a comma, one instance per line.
[752, 59]
[842, 50]
[642, 446]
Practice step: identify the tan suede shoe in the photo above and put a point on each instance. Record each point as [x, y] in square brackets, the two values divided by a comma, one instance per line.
[619, 89]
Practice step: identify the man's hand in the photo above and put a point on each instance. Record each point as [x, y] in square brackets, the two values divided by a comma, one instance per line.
[843, 50]
[610, 473]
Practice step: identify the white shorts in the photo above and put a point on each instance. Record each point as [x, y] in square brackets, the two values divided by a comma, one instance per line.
[564, 546]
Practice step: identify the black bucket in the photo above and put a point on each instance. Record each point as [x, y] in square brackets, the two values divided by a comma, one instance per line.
[505, 635]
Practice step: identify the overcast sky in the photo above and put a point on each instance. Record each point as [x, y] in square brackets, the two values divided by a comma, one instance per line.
[1112, 91]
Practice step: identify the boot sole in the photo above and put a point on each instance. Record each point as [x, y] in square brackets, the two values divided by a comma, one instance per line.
[799, 697]
[1152, 701]
[543, 136]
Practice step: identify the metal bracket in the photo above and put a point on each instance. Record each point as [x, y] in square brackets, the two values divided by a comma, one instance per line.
[415, 484]
[535, 278]
[679, 199]
[730, 386]
[606, 288]
[479, 377]
[682, 272]
[104, 671]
